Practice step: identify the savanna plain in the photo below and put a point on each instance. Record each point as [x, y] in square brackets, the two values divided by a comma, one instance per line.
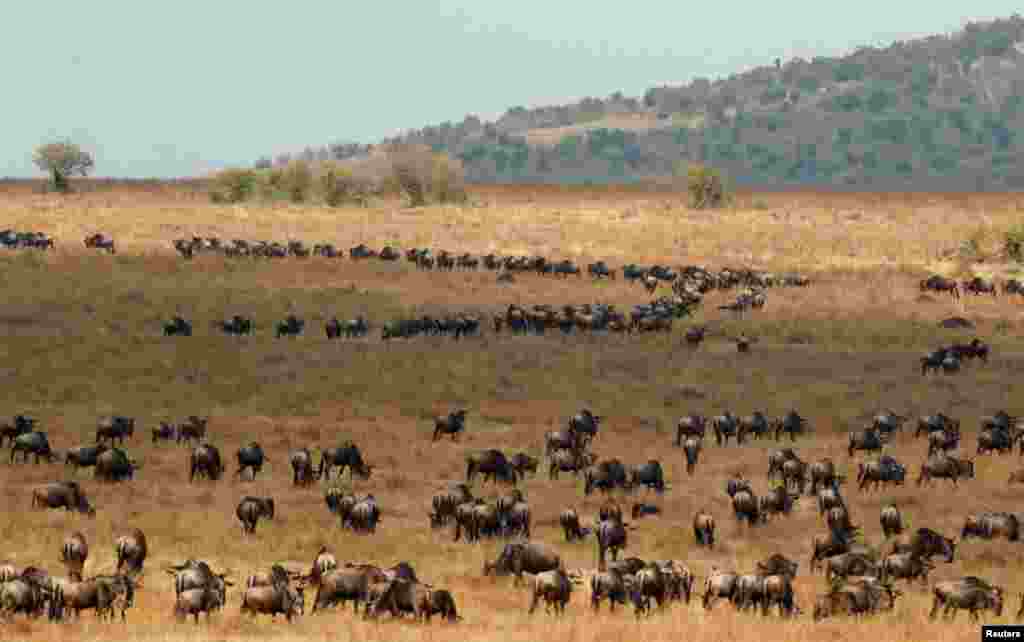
[80, 337]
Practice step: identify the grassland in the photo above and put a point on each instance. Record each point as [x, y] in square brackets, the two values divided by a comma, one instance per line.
[80, 337]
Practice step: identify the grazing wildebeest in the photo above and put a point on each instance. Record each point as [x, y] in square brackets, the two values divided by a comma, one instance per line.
[490, 463]
[608, 585]
[725, 426]
[649, 582]
[825, 546]
[649, 474]
[365, 515]
[452, 425]
[990, 525]
[585, 423]
[736, 484]
[978, 285]
[611, 536]
[905, 566]
[196, 601]
[251, 509]
[692, 448]
[66, 495]
[346, 584]
[290, 601]
[690, 426]
[969, 593]
[777, 458]
[301, 461]
[114, 465]
[524, 463]
[554, 587]
[131, 551]
[946, 467]
[823, 474]
[859, 598]
[346, 455]
[924, 542]
[791, 423]
[73, 554]
[745, 506]
[570, 523]
[939, 283]
[829, 498]
[891, 520]
[704, 528]
[32, 443]
[196, 574]
[100, 241]
[606, 475]
[777, 501]
[850, 564]
[867, 440]
[719, 584]
[193, 428]
[524, 557]
[166, 432]
[114, 429]
[84, 456]
[569, 461]
[250, 457]
[20, 426]
[563, 440]
[995, 439]
[888, 422]
[885, 470]
[206, 462]
[398, 597]
[943, 440]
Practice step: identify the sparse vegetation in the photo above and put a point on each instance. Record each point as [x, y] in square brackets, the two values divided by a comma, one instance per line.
[61, 160]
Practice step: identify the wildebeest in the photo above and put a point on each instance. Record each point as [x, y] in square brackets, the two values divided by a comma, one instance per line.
[794, 474]
[867, 440]
[452, 425]
[290, 601]
[825, 546]
[608, 585]
[777, 458]
[891, 520]
[563, 440]
[194, 574]
[131, 551]
[850, 564]
[995, 439]
[691, 425]
[250, 457]
[939, 283]
[736, 484]
[66, 495]
[568, 461]
[691, 448]
[84, 456]
[924, 542]
[570, 523]
[114, 429]
[345, 584]
[605, 476]
[32, 443]
[611, 536]
[554, 587]
[823, 475]
[114, 465]
[193, 428]
[346, 455]
[943, 440]
[704, 528]
[400, 596]
[292, 326]
[251, 509]
[206, 461]
[649, 582]
[166, 432]
[365, 515]
[745, 506]
[932, 423]
[301, 461]
[490, 463]
[969, 593]
[585, 423]
[829, 498]
[888, 422]
[946, 467]
[756, 424]
[196, 601]
[517, 558]
[648, 474]
[73, 554]
[885, 470]
[777, 501]
[791, 423]
[236, 325]
[21, 425]
[726, 425]
[905, 566]
[858, 598]
[177, 326]
[524, 463]
[990, 525]
[100, 241]
[719, 584]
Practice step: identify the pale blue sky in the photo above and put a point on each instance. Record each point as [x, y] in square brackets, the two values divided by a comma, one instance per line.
[171, 89]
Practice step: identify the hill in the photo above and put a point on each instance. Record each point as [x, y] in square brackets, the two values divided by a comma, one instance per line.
[941, 112]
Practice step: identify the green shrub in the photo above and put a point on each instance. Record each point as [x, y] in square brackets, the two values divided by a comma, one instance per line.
[705, 186]
[340, 186]
[1013, 243]
[233, 185]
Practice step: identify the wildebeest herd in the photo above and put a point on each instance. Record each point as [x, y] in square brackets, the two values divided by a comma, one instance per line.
[860, 579]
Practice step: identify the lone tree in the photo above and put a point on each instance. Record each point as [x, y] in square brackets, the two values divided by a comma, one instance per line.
[62, 159]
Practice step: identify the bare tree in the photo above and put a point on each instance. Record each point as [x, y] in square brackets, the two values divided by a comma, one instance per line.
[62, 159]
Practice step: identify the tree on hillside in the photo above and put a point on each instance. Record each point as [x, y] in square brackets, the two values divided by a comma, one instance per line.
[62, 159]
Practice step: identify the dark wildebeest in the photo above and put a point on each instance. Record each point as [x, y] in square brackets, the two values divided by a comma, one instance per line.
[924, 542]
[745, 506]
[777, 501]
[719, 584]
[452, 425]
[649, 474]
[888, 422]
[290, 601]
[192, 429]
[692, 448]
[166, 432]
[84, 456]
[938, 283]
[178, 327]
[131, 551]
[995, 439]
[608, 585]
[490, 463]
[611, 537]
[66, 495]
[570, 523]
[605, 476]
[400, 596]
[365, 515]
[691, 426]
[823, 475]
[969, 593]
[114, 429]
[73, 554]
[444, 503]
[114, 465]
[568, 461]
[32, 443]
[649, 582]
[825, 546]
[302, 467]
[206, 462]
[725, 426]
[704, 528]
[524, 557]
[943, 440]
[777, 458]
[859, 598]
[21, 425]
[794, 473]
[197, 574]
[829, 498]
[885, 470]
[850, 564]
[990, 525]
[905, 566]
[585, 423]
[251, 509]
[736, 484]
[756, 424]
[196, 601]
[524, 463]
[868, 440]
[250, 457]
[292, 326]
[100, 241]
[891, 520]
[346, 584]
[946, 467]
[932, 423]
[791, 423]
[563, 440]
[346, 455]
[554, 587]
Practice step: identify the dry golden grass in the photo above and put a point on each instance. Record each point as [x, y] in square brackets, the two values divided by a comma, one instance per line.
[79, 337]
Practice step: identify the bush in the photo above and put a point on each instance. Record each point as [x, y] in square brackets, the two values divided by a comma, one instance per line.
[341, 186]
[297, 180]
[421, 175]
[706, 187]
[233, 185]
[1013, 244]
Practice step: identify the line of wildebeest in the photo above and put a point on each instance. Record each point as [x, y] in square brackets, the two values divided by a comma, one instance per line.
[860, 579]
